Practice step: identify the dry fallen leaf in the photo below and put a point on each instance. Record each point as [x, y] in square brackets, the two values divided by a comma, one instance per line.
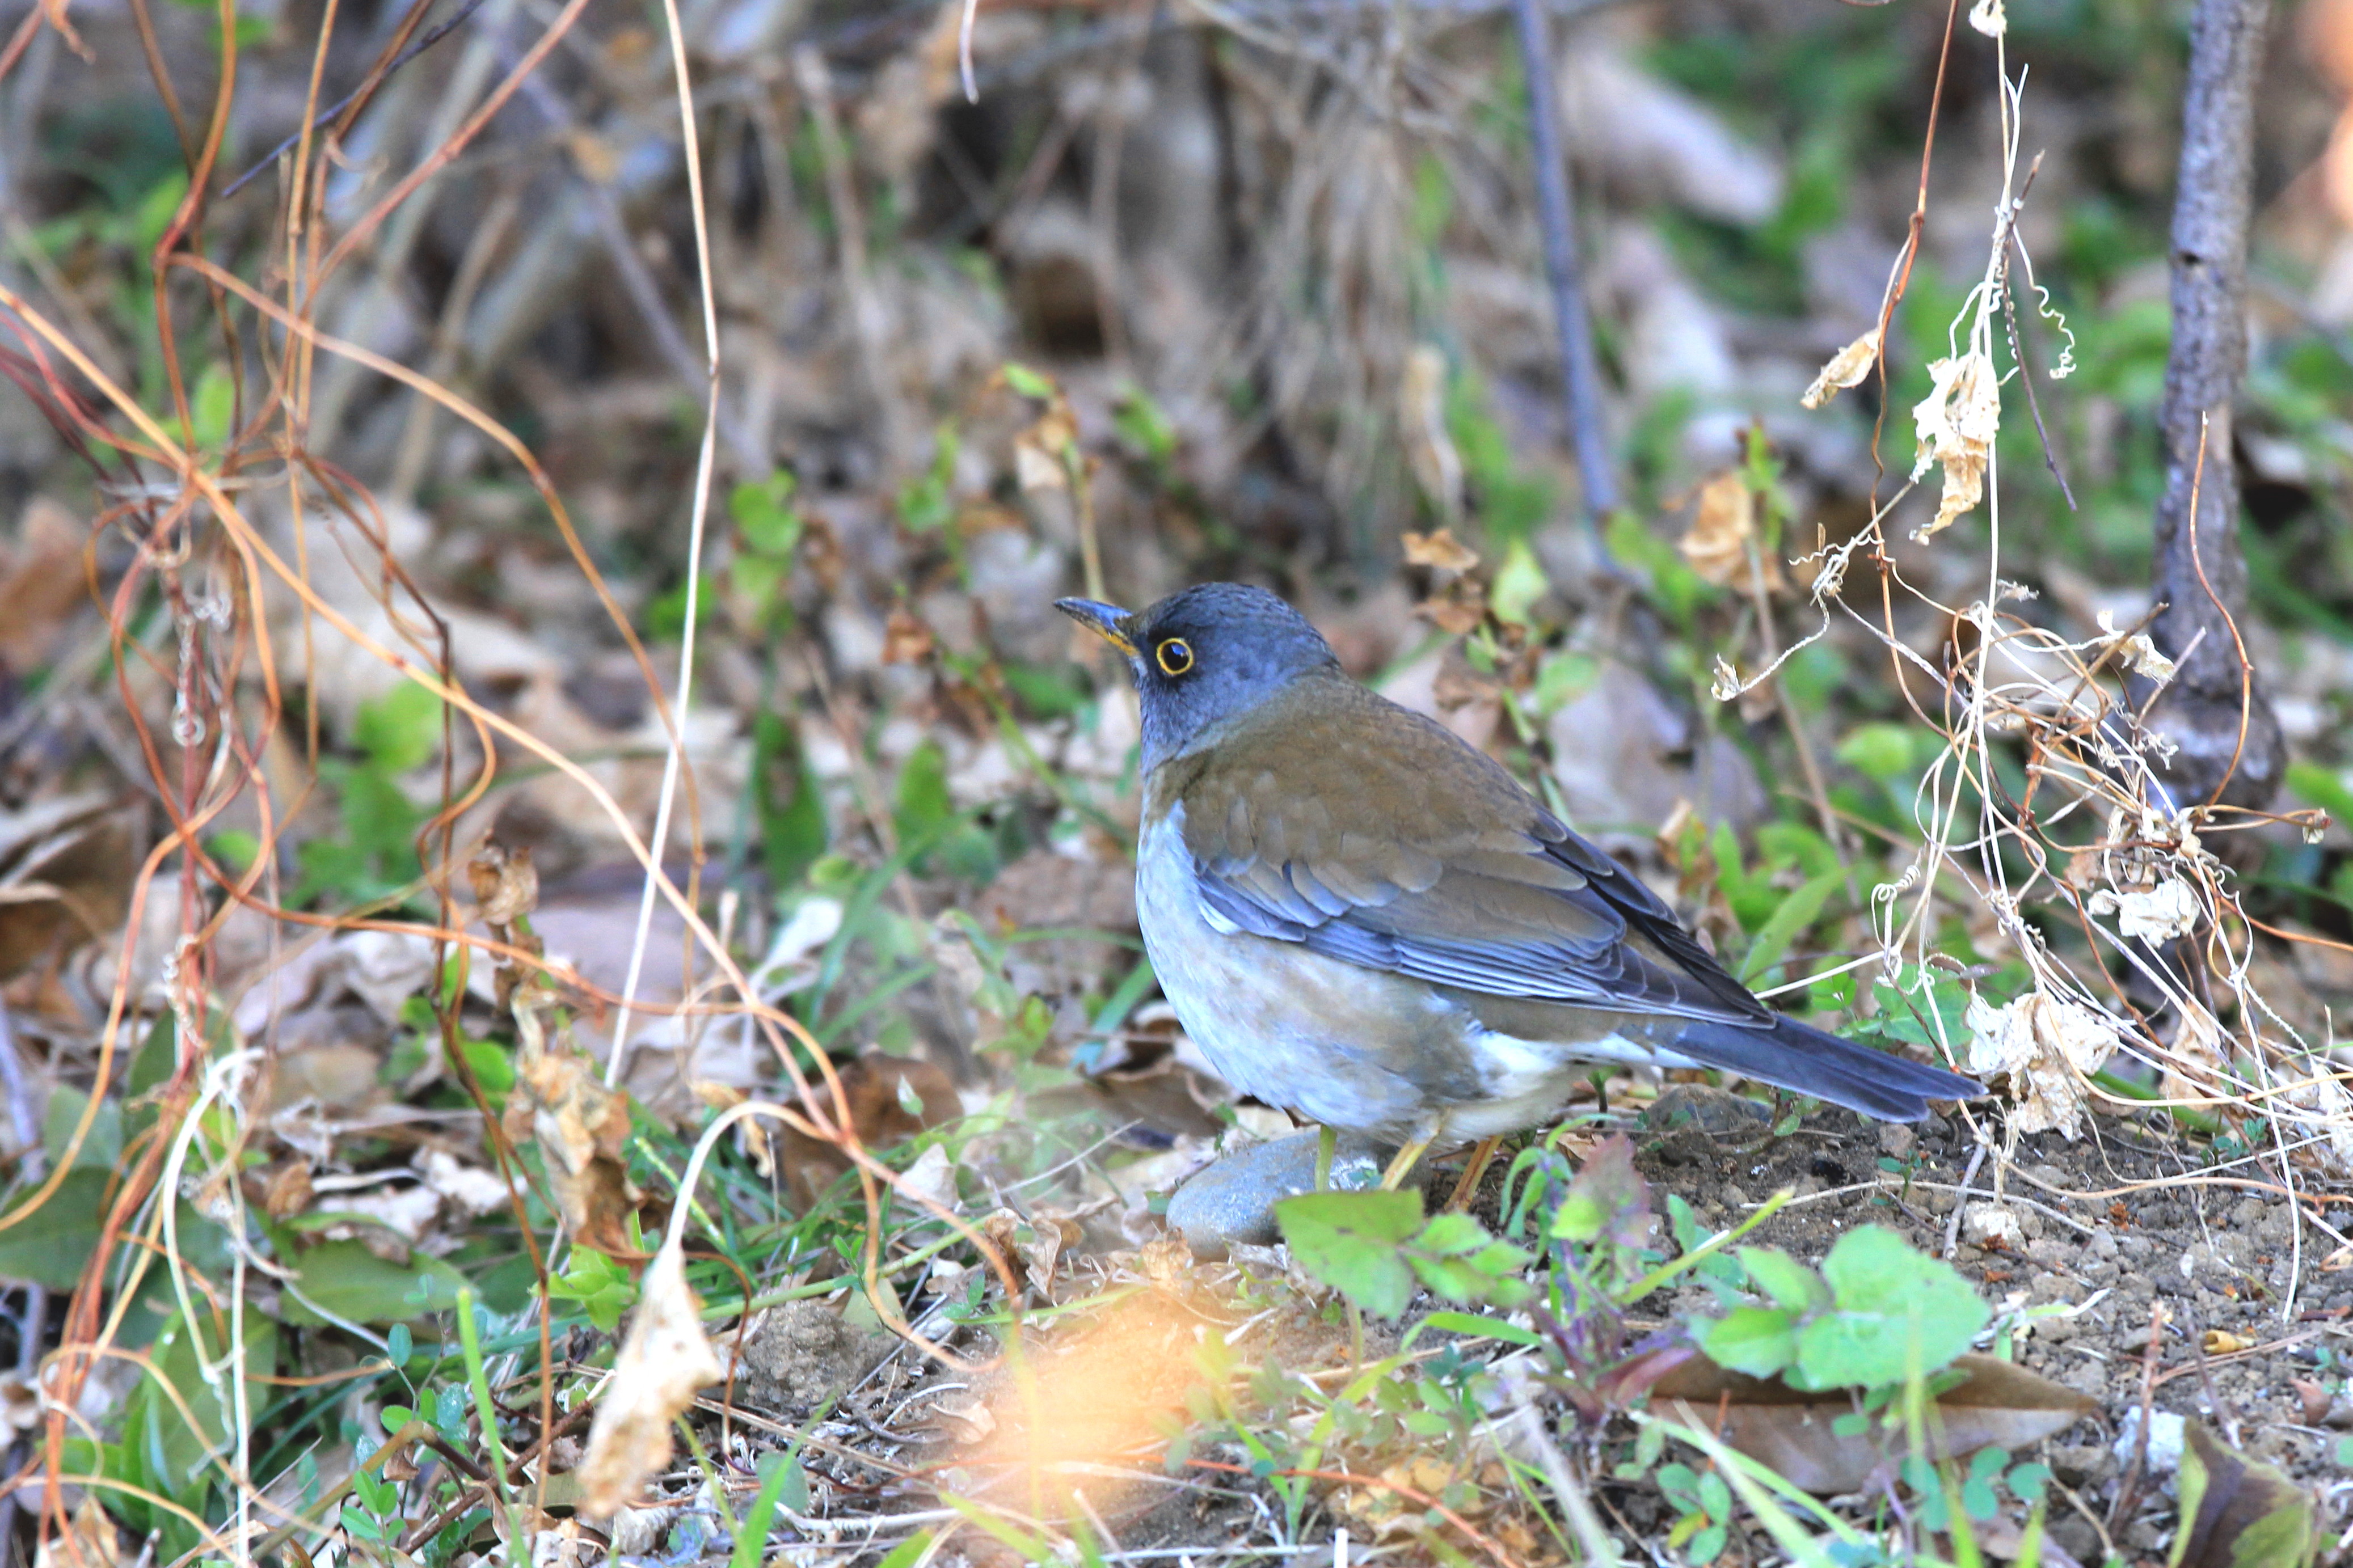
[581, 1126]
[2047, 1046]
[2156, 914]
[42, 581]
[1438, 549]
[891, 1099]
[2237, 1513]
[1997, 1403]
[662, 1364]
[89, 1540]
[288, 1192]
[504, 882]
[2197, 1067]
[906, 639]
[1723, 537]
[1430, 448]
[1847, 368]
[2136, 650]
[1956, 423]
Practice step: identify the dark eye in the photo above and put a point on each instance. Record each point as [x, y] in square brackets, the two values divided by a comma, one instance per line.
[1175, 655]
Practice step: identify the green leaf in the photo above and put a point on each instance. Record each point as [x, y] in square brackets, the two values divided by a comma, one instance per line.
[102, 1146]
[2323, 787]
[345, 1279]
[782, 1482]
[51, 1248]
[1758, 1341]
[1787, 922]
[1879, 752]
[177, 1453]
[1452, 1233]
[793, 828]
[1607, 1197]
[1477, 1327]
[1519, 582]
[1026, 382]
[766, 523]
[1896, 1314]
[1788, 1281]
[602, 1287]
[400, 729]
[1354, 1242]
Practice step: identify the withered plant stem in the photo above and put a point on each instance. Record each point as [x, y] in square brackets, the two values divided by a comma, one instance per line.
[1556, 208]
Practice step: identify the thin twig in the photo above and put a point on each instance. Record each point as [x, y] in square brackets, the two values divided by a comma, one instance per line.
[1580, 375]
[376, 78]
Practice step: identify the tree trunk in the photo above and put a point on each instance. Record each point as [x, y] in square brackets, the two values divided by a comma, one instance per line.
[2215, 714]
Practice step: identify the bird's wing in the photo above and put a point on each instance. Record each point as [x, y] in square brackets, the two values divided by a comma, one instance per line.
[1337, 820]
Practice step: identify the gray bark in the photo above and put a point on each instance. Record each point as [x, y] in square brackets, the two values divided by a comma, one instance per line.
[2201, 573]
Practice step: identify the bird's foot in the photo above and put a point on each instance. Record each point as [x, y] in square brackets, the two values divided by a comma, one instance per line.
[1468, 1187]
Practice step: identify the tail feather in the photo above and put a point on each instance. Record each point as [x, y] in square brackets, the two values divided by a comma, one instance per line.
[1806, 1060]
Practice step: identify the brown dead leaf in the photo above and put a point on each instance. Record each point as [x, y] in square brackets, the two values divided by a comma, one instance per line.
[1457, 609]
[891, 1099]
[67, 872]
[1167, 1261]
[906, 639]
[1429, 448]
[1032, 1247]
[662, 1364]
[1847, 368]
[289, 1192]
[1041, 453]
[1956, 424]
[2237, 1513]
[966, 1420]
[41, 582]
[1439, 550]
[1723, 537]
[506, 883]
[89, 1541]
[1997, 1403]
[581, 1126]
[751, 1133]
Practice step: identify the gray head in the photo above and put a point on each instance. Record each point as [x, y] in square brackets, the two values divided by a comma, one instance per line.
[1206, 656]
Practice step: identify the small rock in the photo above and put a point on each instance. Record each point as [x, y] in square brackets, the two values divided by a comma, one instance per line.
[2050, 1253]
[1231, 1202]
[1993, 1224]
[1711, 1110]
[1896, 1139]
[2165, 1439]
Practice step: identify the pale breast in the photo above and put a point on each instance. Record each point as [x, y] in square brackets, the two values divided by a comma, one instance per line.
[1353, 1047]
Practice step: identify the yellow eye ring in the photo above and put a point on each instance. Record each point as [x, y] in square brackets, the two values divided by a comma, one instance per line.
[1175, 655]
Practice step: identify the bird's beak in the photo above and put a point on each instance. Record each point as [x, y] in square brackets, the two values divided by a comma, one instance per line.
[1108, 622]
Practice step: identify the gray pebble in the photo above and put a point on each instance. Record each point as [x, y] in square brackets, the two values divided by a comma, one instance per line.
[1231, 1202]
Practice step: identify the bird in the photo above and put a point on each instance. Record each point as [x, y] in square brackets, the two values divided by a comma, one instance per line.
[1365, 921]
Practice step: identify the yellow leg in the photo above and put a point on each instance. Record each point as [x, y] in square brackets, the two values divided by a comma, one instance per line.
[1327, 1143]
[1468, 1187]
[1406, 1157]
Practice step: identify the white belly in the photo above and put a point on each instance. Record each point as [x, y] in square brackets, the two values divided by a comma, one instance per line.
[1352, 1047]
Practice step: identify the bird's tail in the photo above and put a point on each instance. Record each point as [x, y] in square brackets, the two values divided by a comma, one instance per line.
[1806, 1060]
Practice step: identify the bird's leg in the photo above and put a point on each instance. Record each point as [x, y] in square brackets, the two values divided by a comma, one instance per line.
[1468, 1187]
[1394, 1177]
[1327, 1143]
[1600, 1082]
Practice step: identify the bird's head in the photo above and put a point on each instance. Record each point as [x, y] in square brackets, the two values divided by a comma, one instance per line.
[1205, 656]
